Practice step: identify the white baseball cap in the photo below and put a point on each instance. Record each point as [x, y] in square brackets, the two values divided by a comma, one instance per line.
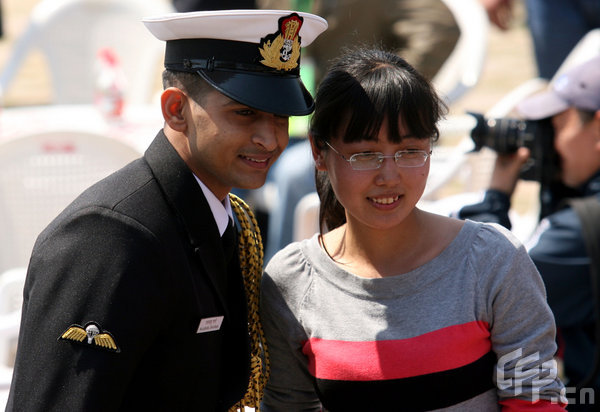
[578, 87]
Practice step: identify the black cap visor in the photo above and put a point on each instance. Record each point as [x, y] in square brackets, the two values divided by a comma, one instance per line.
[234, 69]
[278, 94]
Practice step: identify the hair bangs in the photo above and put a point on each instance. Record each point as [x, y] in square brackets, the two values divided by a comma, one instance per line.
[375, 101]
[388, 94]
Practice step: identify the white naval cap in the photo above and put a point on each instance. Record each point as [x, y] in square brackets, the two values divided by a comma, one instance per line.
[251, 56]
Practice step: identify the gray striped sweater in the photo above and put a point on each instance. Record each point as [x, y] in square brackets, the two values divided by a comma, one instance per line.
[469, 330]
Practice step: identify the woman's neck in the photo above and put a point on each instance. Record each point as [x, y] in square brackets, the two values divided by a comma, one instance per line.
[375, 253]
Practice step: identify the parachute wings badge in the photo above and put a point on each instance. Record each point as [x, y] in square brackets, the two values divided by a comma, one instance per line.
[90, 335]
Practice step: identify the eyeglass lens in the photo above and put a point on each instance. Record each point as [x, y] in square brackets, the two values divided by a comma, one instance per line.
[365, 161]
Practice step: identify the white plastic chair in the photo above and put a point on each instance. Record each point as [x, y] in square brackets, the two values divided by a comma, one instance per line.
[462, 70]
[459, 73]
[40, 174]
[11, 300]
[69, 34]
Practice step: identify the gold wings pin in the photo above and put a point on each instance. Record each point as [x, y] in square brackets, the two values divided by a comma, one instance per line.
[91, 335]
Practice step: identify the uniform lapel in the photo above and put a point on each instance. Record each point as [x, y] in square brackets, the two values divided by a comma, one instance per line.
[185, 196]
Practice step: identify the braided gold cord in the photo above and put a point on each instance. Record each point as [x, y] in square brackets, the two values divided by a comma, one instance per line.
[251, 264]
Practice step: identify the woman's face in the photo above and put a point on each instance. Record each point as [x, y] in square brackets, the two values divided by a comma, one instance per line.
[380, 198]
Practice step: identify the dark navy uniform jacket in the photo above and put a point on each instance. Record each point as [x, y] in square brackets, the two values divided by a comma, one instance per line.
[558, 250]
[139, 255]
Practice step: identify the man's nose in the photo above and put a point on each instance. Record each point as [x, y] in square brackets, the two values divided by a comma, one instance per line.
[270, 133]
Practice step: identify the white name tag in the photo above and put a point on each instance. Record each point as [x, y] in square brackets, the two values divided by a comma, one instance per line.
[210, 324]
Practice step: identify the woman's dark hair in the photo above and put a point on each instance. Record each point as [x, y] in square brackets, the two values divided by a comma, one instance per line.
[362, 89]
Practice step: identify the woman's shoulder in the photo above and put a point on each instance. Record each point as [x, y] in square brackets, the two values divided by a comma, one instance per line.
[289, 272]
[449, 229]
[479, 242]
[494, 249]
[295, 258]
[494, 232]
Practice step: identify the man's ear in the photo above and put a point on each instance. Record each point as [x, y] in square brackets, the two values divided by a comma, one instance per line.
[173, 101]
[317, 155]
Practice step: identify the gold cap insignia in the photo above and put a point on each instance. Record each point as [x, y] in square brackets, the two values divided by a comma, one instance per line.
[281, 50]
[91, 335]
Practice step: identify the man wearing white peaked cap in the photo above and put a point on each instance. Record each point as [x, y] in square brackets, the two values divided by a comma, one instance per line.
[138, 296]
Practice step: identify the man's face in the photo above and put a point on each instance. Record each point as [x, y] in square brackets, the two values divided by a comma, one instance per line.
[576, 142]
[233, 145]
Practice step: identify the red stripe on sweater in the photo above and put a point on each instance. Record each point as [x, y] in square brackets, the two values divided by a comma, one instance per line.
[436, 351]
[520, 405]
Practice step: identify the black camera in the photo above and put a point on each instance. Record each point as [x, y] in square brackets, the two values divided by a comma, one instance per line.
[506, 135]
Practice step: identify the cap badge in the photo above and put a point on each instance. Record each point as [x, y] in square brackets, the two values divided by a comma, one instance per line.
[281, 50]
[91, 335]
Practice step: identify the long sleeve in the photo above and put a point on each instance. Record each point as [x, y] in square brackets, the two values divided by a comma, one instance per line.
[290, 386]
[521, 325]
[75, 278]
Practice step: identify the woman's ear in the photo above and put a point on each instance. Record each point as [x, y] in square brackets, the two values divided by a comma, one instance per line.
[318, 155]
[172, 102]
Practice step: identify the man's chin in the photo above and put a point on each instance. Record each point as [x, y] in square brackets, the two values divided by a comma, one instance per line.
[252, 184]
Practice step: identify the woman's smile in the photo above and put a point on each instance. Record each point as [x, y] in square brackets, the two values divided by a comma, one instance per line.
[384, 200]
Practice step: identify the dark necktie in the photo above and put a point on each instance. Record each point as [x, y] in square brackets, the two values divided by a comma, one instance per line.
[229, 240]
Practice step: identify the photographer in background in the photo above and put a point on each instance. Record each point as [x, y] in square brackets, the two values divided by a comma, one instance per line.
[558, 248]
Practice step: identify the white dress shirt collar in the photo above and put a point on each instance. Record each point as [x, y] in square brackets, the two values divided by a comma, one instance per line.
[221, 210]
